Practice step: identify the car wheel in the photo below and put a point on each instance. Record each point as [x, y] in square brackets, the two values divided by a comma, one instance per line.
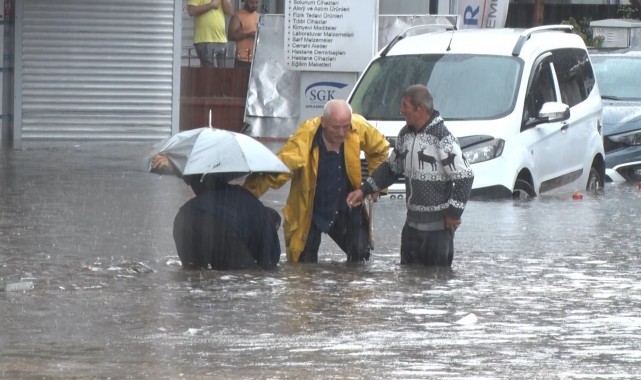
[522, 190]
[594, 180]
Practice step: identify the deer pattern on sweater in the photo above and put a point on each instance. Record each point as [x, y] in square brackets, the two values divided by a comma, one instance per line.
[423, 158]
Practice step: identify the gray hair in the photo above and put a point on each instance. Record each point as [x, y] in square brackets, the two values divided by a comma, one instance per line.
[333, 105]
[419, 96]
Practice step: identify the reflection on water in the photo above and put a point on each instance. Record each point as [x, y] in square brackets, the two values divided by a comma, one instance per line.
[553, 283]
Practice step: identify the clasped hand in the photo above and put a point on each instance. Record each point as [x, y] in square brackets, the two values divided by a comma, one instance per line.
[355, 198]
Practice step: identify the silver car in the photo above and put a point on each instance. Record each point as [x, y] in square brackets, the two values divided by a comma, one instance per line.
[619, 77]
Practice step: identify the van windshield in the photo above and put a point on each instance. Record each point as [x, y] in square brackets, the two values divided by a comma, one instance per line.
[465, 87]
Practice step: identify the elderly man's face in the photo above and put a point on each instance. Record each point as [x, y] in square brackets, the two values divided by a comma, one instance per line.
[336, 126]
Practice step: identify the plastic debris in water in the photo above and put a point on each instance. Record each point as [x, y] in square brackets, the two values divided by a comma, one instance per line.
[19, 286]
[469, 319]
[141, 268]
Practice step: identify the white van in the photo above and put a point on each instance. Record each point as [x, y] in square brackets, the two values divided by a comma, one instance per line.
[523, 104]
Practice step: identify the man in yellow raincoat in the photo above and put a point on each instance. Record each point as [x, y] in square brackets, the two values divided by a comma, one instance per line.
[324, 158]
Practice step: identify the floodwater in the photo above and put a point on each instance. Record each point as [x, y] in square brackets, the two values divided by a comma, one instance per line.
[545, 289]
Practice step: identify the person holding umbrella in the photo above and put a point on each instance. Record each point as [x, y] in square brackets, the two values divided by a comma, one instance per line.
[224, 226]
[323, 156]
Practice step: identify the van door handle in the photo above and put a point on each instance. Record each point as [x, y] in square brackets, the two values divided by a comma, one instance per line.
[565, 126]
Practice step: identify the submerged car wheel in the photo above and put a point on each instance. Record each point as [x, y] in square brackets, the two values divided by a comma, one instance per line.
[522, 190]
[594, 180]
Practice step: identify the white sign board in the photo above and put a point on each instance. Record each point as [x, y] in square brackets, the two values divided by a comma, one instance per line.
[483, 13]
[330, 35]
[316, 88]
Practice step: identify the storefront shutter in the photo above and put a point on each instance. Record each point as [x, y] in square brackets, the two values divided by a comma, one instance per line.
[96, 69]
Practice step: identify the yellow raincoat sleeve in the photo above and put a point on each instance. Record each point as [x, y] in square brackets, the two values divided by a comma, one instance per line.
[373, 144]
[259, 183]
[294, 155]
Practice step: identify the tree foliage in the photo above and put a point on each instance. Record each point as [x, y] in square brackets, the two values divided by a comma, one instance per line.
[582, 28]
[631, 11]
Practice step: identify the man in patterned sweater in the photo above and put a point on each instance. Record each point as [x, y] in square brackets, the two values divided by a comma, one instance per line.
[438, 181]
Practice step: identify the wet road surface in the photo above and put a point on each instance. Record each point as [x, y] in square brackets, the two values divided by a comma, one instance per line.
[543, 289]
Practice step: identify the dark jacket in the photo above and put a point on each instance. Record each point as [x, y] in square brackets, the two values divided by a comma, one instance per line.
[225, 226]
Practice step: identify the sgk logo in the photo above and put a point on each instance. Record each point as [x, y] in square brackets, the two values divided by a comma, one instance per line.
[323, 91]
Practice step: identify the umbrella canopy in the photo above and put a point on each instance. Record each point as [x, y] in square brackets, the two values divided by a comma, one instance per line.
[212, 150]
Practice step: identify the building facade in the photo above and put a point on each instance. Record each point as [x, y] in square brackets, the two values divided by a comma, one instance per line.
[110, 70]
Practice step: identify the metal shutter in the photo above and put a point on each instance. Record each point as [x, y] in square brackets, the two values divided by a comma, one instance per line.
[97, 69]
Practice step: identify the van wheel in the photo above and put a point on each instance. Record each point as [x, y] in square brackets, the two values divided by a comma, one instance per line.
[594, 180]
[522, 190]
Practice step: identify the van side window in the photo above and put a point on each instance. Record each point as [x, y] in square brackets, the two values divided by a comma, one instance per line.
[586, 70]
[575, 75]
[541, 91]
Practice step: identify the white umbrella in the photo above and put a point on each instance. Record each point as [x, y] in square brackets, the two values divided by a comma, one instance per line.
[213, 150]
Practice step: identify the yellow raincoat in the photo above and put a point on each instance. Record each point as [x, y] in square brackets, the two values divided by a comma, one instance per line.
[302, 159]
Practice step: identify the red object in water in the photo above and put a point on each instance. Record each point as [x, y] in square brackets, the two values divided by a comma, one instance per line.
[577, 196]
[639, 185]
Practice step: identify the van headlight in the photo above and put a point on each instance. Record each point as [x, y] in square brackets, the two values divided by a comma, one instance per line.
[630, 138]
[484, 151]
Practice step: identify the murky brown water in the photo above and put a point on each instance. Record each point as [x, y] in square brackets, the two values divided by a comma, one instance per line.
[549, 288]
